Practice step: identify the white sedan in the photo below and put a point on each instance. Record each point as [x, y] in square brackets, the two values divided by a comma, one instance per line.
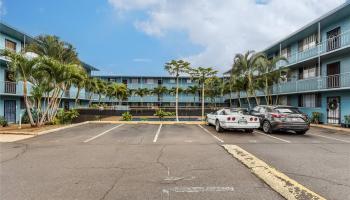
[236, 118]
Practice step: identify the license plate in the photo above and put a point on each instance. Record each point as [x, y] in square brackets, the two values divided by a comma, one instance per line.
[242, 121]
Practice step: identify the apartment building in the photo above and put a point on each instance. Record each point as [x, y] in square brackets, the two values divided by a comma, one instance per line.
[166, 99]
[319, 66]
[11, 93]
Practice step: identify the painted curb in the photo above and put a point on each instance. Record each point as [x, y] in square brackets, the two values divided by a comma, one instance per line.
[147, 122]
[347, 130]
[285, 186]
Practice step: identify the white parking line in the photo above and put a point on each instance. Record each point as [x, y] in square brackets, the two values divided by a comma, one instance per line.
[277, 138]
[157, 134]
[99, 135]
[210, 133]
[331, 138]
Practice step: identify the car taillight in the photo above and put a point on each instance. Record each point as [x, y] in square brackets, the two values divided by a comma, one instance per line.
[229, 118]
[251, 119]
[255, 119]
[233, 118]
[275, 115]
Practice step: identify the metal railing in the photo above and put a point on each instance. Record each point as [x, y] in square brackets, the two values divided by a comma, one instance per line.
[323, 47]
[337, 81]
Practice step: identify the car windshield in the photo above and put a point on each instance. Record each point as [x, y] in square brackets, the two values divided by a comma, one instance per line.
[235, 111]
[288, 110]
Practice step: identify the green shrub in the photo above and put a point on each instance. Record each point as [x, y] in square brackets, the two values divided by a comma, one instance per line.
[3, 121]
[126, 116]
[161, 114]
[143, 119]
[66, 117]
[315, 117]
[25, 117]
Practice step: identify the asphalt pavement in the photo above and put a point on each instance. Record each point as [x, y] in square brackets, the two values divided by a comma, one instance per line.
[144, 161]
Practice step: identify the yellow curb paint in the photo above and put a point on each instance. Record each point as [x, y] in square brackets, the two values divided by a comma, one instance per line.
[285, 186]
[148, 122]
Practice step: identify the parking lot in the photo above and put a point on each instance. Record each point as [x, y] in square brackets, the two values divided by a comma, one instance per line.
[144, 161]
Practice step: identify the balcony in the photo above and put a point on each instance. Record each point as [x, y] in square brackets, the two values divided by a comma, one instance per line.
[329, 45]
[323, 83]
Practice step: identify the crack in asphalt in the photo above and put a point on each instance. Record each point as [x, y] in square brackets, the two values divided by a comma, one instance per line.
[24, 150]
[159, 157]
[115, 182]
[319, 178]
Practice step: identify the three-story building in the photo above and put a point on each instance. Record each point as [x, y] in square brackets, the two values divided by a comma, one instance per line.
[11, 92]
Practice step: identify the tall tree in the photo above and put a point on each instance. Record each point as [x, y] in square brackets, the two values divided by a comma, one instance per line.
[160, 91]
[176, 67]
[201, 74]
[193, 90]
[141, 92]
[23, 67]
[246, 65]
[270, 74]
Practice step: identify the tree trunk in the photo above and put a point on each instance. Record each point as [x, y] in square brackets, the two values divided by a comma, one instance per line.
[203, 101]
[77, 97]
[177, 99]
[28, 107]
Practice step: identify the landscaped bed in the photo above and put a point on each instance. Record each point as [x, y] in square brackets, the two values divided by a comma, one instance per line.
[26, 129]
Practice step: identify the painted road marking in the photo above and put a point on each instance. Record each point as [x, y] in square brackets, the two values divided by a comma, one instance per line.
[210, 133]
[285, 186]
[99, 135]
[166, 192]
[331, 138]
[277, 138]
[157, 134]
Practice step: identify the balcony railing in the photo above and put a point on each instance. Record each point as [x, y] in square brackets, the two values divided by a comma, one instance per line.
[323, 47]
[338, 81]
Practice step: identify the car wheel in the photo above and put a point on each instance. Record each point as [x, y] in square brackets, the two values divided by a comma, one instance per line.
[267, 127]
[218, 127]
[249, 130]
[300, 132]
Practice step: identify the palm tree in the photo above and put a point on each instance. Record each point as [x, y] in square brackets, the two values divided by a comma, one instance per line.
[141, 92]
[175, 67]
[214, 88]
[117, 90]
[53, 47]
[246, 65]
[193, 90]
[79, 80]
[270, 74]
[23, 67]
[201, 74]
[102, 89]
[160, 91]
[91, 86]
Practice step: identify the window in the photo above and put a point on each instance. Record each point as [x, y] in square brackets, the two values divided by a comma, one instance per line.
[172, 81]
[125, 81]
[11, 45]
[188, 81]
[149, 81]
[307, 43]
[286, 52]
[310, 100]
[134, 81]
[308, 72]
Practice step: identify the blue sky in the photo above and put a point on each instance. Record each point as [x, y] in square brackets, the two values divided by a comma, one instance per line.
[102, 37]
[136, 37]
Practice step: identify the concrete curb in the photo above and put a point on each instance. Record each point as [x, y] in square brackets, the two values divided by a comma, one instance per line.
[285, 186]
[147, 122]
[347, 130]
[44, 132]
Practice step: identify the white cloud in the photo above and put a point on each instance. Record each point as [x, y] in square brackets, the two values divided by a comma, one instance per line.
[225, 27]
[141, 60]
